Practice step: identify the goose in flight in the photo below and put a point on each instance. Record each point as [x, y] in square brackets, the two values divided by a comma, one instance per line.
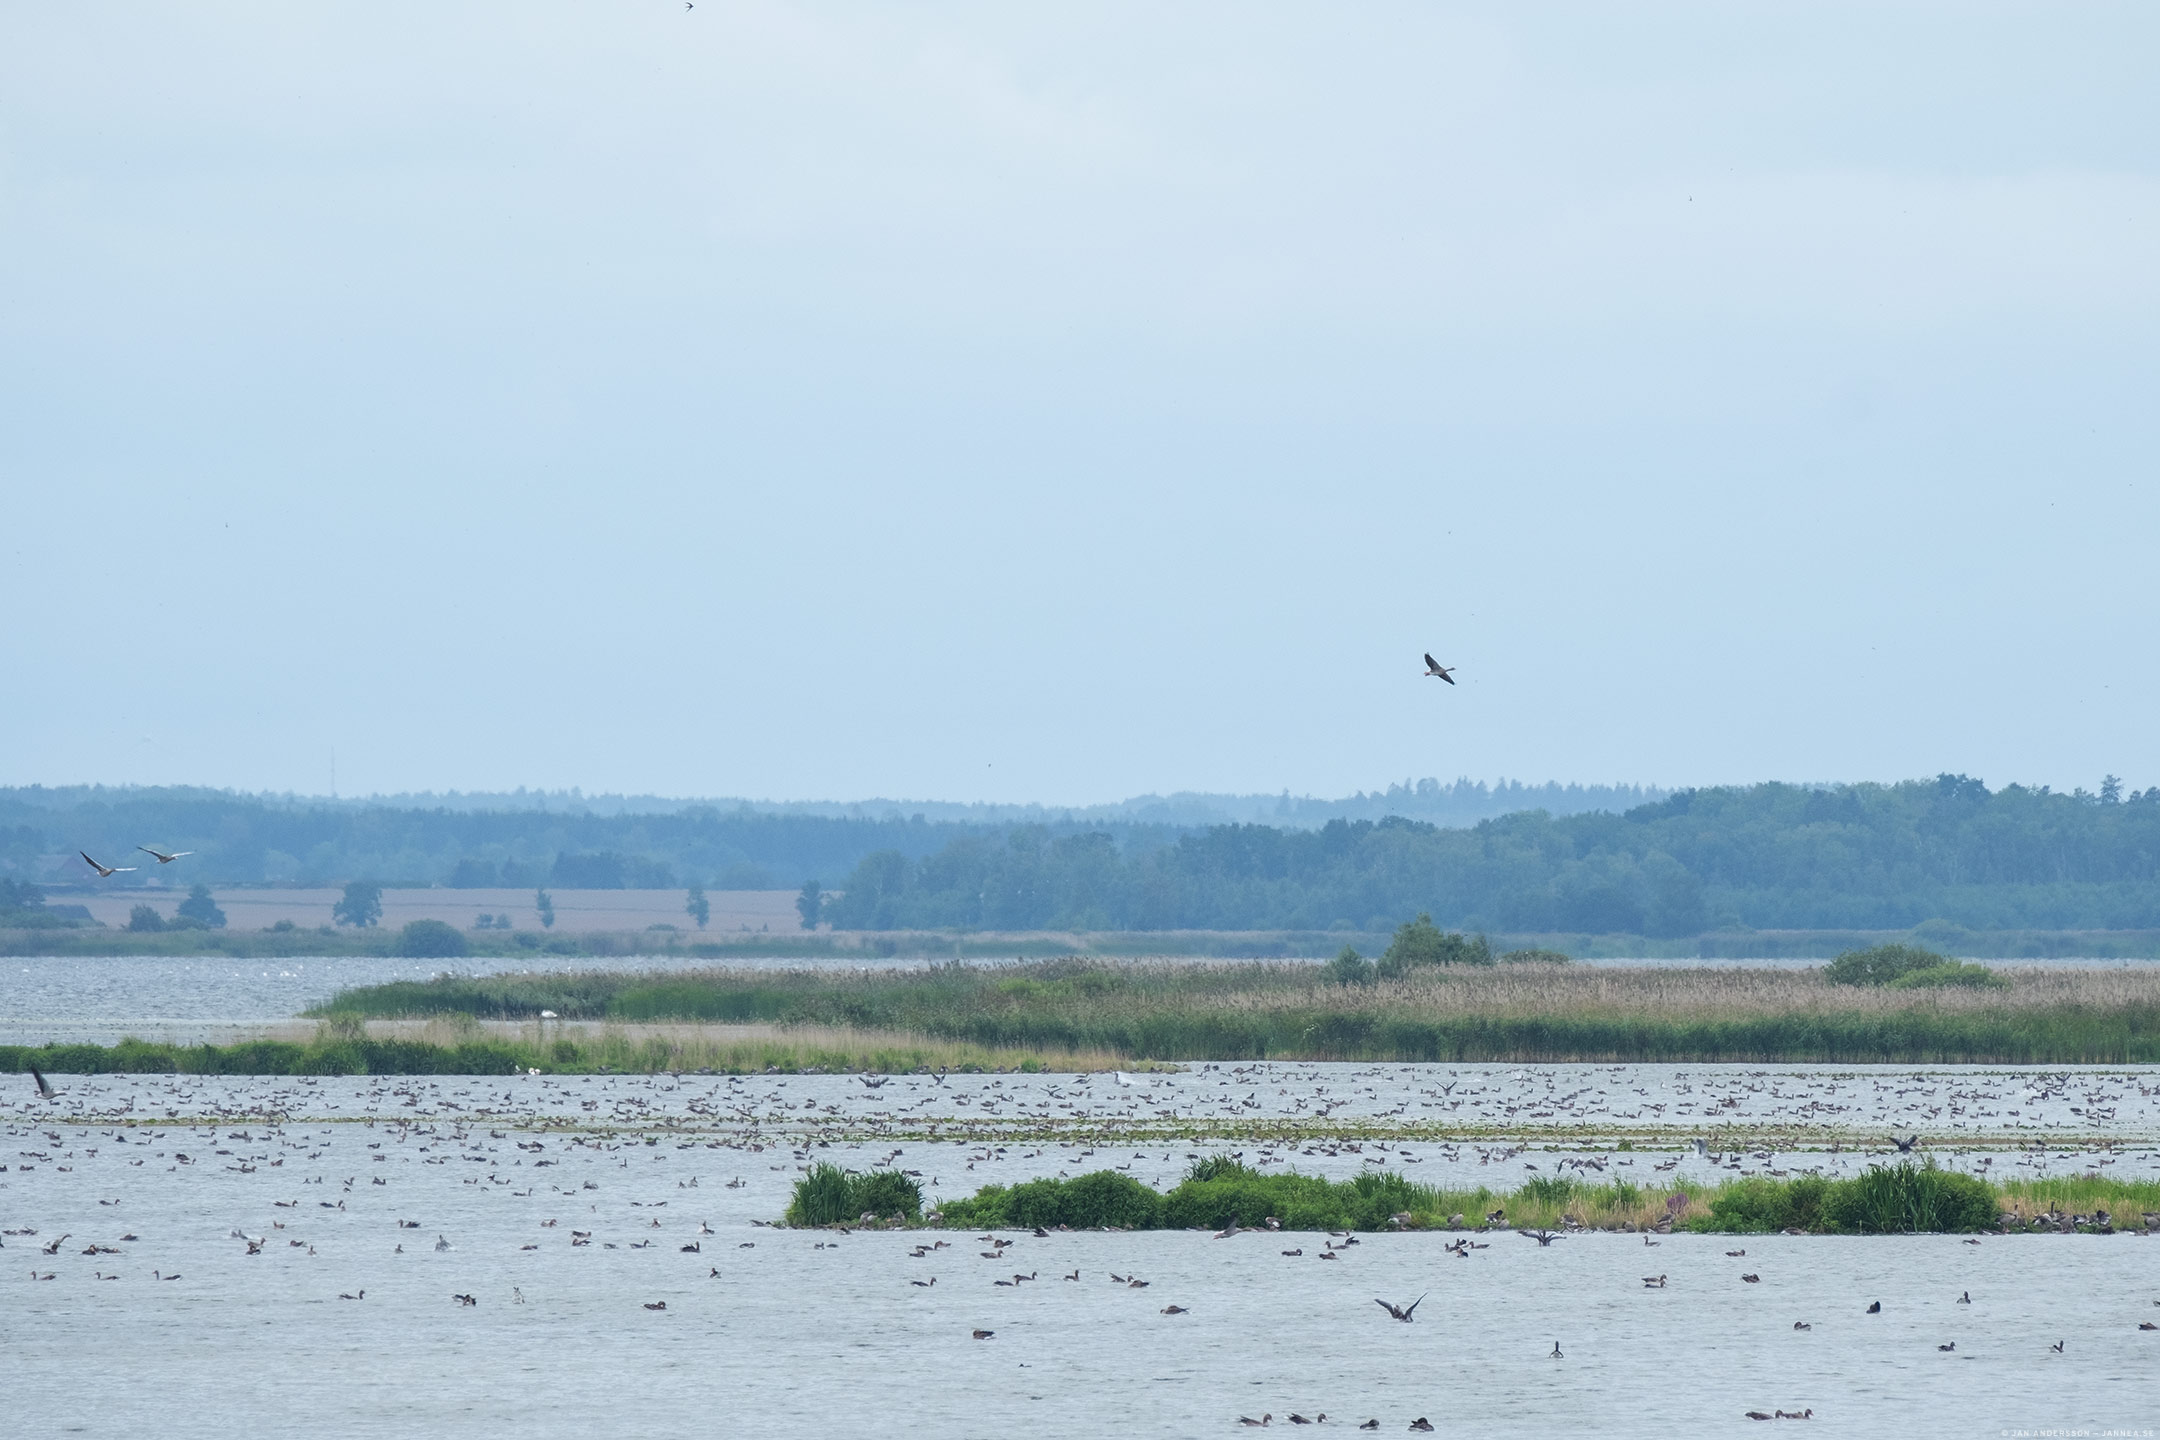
[1436, 670]
[162, 857]
[1398, 1311]
[105, 872]
[44, 1086]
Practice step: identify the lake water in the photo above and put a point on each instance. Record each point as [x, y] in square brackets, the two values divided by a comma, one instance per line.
[815, 1333]
[805, 1333]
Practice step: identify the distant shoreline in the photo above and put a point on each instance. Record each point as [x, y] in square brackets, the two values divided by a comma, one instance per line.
[686, 942]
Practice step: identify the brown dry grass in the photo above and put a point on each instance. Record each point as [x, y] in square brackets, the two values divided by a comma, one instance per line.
[1680, 994]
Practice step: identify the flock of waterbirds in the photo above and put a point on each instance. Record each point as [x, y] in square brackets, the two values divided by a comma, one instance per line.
[525, 1136]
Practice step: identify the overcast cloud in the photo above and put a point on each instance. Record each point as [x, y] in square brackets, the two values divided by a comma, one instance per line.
[1057, 403]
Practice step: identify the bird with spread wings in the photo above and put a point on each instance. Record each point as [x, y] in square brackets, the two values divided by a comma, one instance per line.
[105, 872]
[1437, 671]
[162, 857]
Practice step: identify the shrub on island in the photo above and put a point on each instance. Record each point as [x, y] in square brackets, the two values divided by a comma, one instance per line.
[1906, 967]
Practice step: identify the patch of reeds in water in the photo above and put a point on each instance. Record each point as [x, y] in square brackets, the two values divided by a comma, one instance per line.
[1195, 1011]
[829, 1195]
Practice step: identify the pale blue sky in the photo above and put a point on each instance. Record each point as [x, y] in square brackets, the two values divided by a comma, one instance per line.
[1058, 403]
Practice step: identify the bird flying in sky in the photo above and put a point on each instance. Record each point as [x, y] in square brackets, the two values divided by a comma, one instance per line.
[1438, 671]
[105, 872]
[162, 857]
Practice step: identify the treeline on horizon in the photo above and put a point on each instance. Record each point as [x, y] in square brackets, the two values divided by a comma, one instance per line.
[1946, 854]
[572, 841]
[257, 840]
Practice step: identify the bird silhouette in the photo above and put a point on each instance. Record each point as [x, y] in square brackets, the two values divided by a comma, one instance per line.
[1434, 670]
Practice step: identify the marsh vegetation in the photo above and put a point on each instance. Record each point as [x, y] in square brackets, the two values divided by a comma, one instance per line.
[461, 1045]
[1524, 1012]
[1219, 1192]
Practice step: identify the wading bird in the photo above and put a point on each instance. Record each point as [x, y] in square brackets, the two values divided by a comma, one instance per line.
[162, 857]
[105, 872]
[1436, 671]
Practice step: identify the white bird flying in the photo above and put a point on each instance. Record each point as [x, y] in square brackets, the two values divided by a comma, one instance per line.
[162, 857]
[105, 872]
[1438, 671]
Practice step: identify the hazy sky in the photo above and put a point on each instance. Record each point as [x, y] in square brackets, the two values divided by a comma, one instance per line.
[1035, 402]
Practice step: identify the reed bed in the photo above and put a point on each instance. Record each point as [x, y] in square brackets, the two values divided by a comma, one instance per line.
[460, 1044]
[1222, 1011]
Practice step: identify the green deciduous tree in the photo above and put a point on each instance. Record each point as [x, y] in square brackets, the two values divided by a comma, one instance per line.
[1422, 943]
[431, 939]
[1349, 968]
[142, 917]
[361, 907]
[545, 904]
[200, 907]
[810, 904]
[696, 906]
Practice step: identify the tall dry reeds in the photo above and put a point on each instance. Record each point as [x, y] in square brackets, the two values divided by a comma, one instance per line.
[1219, 1011]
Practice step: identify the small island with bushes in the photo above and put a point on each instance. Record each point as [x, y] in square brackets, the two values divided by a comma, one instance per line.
[1221, 1194]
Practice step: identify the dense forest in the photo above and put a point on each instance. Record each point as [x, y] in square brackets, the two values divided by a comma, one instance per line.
[1770, 856]
[580, 841]
[252, 840]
